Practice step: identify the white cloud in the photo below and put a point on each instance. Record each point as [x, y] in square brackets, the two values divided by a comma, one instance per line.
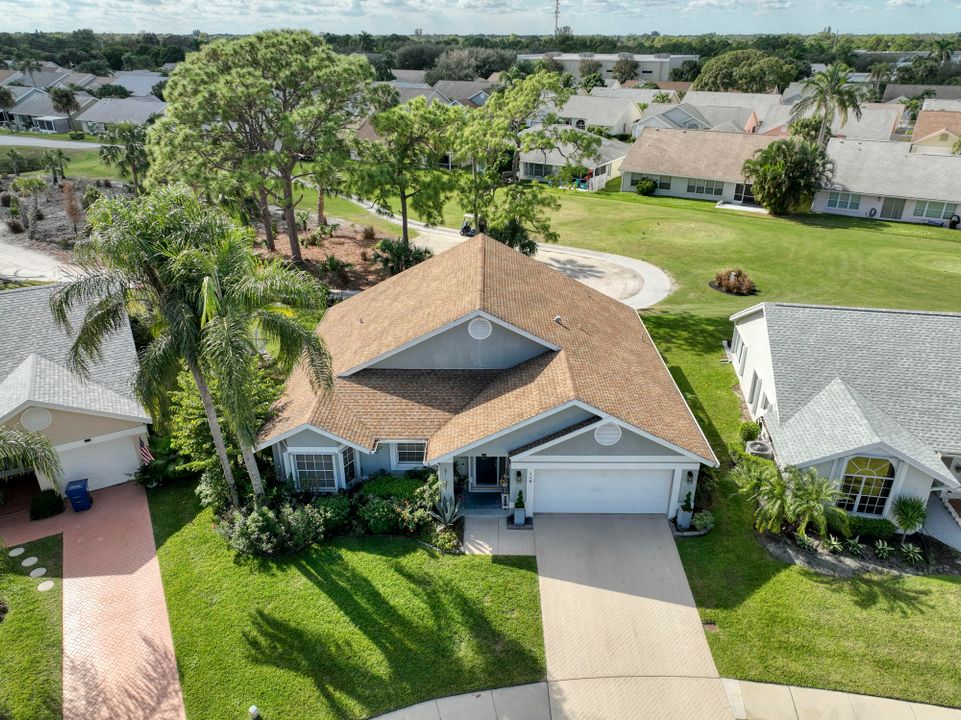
[907, 3]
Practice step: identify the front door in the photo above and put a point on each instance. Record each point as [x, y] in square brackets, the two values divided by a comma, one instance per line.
[485, 472]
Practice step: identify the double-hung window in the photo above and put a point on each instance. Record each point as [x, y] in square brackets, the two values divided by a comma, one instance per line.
[934, 210]
[844, 201]
[315, 473]
[350, 469]
[866, 485]
[697, 186]
[411, 453]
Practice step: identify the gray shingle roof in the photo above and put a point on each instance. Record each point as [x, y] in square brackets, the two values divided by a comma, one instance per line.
[893, 91]
[637, 95]
[608, 151]
[39, 104]
[902, 362]
[138, 82]
[113, 110]
[889, 169]
[33, 364]
[598, 111]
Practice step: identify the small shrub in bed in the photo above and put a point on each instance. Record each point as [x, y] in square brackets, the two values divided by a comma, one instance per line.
[703, 520]
[5, 199]
[749, 431]
[335, 510]
[734, 282]
[442, 538]
[370, 233]
[47, 504]
[14, 225]
[400, 487]
[265, 531]
[645, 186]
[866, 528]
[379, 515]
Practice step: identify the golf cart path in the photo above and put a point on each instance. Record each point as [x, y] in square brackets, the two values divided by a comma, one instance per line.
[635, 283]
[21, 263]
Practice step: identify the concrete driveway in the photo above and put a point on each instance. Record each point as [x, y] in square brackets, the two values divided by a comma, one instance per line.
[622, 634]
[40, 140]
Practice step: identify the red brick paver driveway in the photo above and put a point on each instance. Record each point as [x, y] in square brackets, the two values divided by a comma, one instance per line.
[118, 657]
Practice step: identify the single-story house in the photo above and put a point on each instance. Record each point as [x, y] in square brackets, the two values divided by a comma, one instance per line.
[407, 91]
[677, 86]
[35, 111]
[638, 95]
[685, 116]
[878, 121]
[935, 104]
[885, 180]
[614, 115]
[541, 164]
[693, 163]
[106, 112]
[408, 76]
[94, 423]
[936, 131]
[138, 82]
[469, 93]
[654, 67]
[895, 92]
[869, 398]
[760, 103]
[504, 374]
[20, 93]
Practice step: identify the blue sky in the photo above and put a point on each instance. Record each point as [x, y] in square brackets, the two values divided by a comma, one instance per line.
[494, 16]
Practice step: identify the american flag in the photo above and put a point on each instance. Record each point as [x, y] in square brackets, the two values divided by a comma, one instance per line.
[145, 453]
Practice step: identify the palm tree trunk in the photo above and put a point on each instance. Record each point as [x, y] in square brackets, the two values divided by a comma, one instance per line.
[265, 218]
[253, 471]
[215, 432]
[822, 132]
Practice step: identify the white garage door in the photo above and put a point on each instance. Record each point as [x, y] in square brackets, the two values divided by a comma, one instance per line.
[103, 464]
[602, 491]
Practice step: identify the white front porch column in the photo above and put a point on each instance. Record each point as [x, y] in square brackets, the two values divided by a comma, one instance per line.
[445, 471]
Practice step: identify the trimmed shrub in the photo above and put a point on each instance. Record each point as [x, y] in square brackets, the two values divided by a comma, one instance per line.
[335, 510]
[265, 531]
[703, 520]
[863, 527]
[749, 431]
[442, 538]
[645, 186]
[47, 504]
[379, 515]
[76, 135]
[734, 281]
[400, 487]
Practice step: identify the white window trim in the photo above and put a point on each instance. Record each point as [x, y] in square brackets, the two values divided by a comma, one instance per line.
[395, 462]
[290, 465]
[840, 468]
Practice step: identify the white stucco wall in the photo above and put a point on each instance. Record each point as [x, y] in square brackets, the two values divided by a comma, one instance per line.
[678, 188]
[869, 203]
[756, 357]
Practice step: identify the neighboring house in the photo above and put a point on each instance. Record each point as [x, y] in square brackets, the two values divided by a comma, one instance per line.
[168, 67]
[869, 398]
[936, 132]
[8, 76]
[854, 77]
[693, 163]
[686, 116]
[409, 76]
[760, 103]
[613, 115]
[878, 121]
[20, 94]
[935, 104]
[493, 368]
[899, 93]
[676, 86]
[469, 93]
[407, 91]
[106, 112]
[541, 164]
[885, 180]
[649, 67]
[638, 95]
[138, 82]
[36, 112]
[94, 423]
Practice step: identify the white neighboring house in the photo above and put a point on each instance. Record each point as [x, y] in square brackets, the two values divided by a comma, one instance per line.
[695, 164]
[109, 111]
[878, 121]
[685, 116]
[870, 398]
[541, 164]
[649, 67]
[760, 103]
[886, 181]
[95, 424]
[638, 95]
[614, 115]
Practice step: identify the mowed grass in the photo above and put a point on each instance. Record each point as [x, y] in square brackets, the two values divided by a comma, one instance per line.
[31, 634]
[83, 163]
[348, 629]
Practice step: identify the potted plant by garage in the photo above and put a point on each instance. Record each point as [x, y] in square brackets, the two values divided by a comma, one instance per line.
[520, 517]
[684, 513]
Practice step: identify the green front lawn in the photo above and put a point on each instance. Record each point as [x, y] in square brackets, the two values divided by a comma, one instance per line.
[48, 136]
[31, 634]
[83, 163]
[349, 629]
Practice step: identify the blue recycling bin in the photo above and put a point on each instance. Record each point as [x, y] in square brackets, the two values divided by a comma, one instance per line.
[78, 495]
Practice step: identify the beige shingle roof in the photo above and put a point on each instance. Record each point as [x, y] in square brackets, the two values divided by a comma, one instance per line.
[606, 358]
[933, 121]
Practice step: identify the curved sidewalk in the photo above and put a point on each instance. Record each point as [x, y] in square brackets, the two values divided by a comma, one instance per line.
[748, 700]
[635, 283]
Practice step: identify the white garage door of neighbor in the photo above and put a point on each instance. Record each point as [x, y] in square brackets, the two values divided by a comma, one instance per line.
[602, 491]
[103, 464]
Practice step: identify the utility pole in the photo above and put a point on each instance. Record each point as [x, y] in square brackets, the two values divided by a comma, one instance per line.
[557, 16]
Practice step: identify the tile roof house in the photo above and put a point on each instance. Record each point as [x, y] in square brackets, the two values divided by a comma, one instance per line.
[541, 164]
[94, 423]
[887, 181]
[695, 164]
[868, 397]
[499, 370]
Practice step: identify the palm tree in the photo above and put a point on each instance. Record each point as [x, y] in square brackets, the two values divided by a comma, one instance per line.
[19, 448]
[909, 514]
[125, 146]
[50, 162]
[30, 187]
[942, 49]
[813, 501]
[881, 73]
[831, 94]
[239, 297]
[17, 160]
[914, 105]
[64, 100]
[28, 65]
[189, 269]
[7, 100]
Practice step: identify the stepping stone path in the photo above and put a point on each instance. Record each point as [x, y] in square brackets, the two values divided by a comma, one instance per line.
[16, 552]
[45, 585]
[30, 561]
[38, 572]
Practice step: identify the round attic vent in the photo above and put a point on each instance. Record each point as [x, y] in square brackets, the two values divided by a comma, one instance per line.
[35, 419]
[607, 434]
[479, 328]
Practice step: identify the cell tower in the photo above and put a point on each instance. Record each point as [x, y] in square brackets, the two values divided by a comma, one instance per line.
[557, 16]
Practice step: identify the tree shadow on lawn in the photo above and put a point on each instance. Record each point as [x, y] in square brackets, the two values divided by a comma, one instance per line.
[424, 658]
[889, 592]
[711, 431]
[701, 334]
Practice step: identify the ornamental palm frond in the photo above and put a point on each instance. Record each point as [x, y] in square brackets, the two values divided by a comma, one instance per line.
[26, 449]
[829, 93]
[813, 501]
[773, 510]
